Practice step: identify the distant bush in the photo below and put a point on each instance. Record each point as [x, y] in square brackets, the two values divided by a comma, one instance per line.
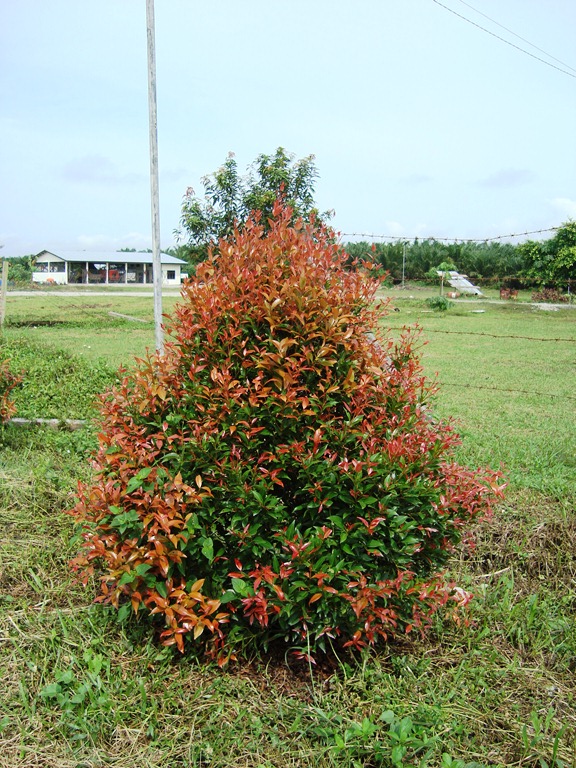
[439, 303]
[20, 270]
[8, 381]
[277, 473]
[550, 295]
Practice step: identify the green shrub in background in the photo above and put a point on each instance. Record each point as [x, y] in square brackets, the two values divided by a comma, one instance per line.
[277, 473]
[439, 303]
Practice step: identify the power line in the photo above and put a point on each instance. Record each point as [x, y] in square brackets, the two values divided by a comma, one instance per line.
[503, 40]
[518, 36]
[448, 239]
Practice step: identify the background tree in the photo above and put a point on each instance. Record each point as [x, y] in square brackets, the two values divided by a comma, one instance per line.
[230, 198]
[21, 269]
[552, 262]
[441, 272]
[192, 254]
[475, 259]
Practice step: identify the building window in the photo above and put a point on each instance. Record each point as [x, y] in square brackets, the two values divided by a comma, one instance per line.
[171, 274]
[50, 266]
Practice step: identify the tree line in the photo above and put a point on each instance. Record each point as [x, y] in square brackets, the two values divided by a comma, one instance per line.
[230, 197]
[550, 262]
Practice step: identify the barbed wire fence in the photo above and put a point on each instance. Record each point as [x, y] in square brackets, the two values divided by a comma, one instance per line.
[433, 238]
[509, 390]
[415, 240]
[551, 395]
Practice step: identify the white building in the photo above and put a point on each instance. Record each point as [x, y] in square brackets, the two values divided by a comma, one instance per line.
[103, 268]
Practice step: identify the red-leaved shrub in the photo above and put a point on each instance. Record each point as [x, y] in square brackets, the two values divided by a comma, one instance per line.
[277, 473]
[550, 295]
[8, 381]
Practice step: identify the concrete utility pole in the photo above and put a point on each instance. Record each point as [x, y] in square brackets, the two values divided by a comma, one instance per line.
[403, 262]
[153, 126]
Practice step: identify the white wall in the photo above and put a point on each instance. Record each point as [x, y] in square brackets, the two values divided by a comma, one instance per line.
[175, 268]
[49, 277]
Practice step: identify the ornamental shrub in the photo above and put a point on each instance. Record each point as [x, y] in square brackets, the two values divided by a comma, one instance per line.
[277, 473]
[8, 381]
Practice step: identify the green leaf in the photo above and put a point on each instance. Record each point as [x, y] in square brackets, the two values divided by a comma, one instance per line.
[51, 691]
[125, 520]
[65, 677]
[339, 741]
[241, 587]
[208, 549]
[126, 578]
[137, 480]
[80, 695]
[397, 754]
[169, 456]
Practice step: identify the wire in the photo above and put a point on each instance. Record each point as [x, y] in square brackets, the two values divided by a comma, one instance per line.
[501, 389]
[501, 336]
[449, 239]
[523, 50]
[519, 36]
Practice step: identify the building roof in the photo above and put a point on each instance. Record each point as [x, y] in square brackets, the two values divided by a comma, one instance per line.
[461, 283]
[112, 257]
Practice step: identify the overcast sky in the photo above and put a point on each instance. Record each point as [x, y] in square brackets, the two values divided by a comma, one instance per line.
[422, 124]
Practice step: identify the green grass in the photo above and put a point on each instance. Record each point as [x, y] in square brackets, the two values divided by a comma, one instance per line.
[79, 689]
[506, 376]
[83, 325]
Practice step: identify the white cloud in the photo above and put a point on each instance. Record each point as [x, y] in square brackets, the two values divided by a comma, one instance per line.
[106, 243]
[174, 174]
[565, 206]
[418, 178]
[508, 177]
[97, 169]
[394, 228]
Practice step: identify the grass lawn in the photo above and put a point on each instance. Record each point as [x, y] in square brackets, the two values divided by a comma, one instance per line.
[84, 325]
[81, 691]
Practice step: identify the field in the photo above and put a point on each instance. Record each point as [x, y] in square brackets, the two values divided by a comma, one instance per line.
[81, 691]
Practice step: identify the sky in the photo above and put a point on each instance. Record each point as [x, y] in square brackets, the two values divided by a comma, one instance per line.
[421, 123]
